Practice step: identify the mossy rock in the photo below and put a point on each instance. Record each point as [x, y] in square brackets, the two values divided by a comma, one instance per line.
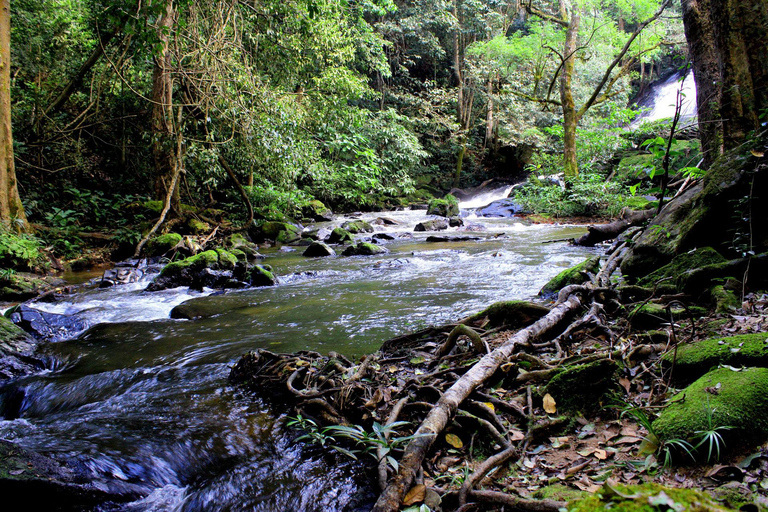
[239, 255]
[261, 275]
[724, 301]
[237, 242]
[647, 497]
[20, 286]
[227, 260]
[682, 263]
[432, 225]
[582, 387]
[695, 359]
[446, 207]
[281, 232]
[316, 211]
[364, 249]
[721, 398]
[318, 249]
[653, 316]
[577, 274]
[198, 227]
[206, 259]
[357, 226]
[159, 245]
[13, 338]
[559, 492]
[339, 236]
[512, 313]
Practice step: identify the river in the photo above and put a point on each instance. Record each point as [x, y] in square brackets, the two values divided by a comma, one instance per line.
[144, 398]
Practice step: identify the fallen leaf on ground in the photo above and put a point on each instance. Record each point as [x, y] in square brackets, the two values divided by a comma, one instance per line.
[415, 495]
[550, 406]
[454, 440]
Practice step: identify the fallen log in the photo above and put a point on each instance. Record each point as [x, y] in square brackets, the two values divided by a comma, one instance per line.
[437, 419]
[602, 232]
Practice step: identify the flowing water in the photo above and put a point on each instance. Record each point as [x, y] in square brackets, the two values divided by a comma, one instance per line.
[144, 398]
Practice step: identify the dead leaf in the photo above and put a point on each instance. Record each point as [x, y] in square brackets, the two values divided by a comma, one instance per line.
[454, 440]
[490, 406]
[600, 454]
[550, 406]
[628, 440]
[415, 495]
[378, 395]
[392, 369]
[756, 153]
[516, 435]
[625, 383]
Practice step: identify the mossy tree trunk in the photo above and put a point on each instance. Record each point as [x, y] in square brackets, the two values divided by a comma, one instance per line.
[729, 47]
[11, 210]
[570, 116]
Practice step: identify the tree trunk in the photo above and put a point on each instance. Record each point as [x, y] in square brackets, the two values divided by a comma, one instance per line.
[11, 210]
[489, 113]
[706, 67]
[163, 130]
[570, 117]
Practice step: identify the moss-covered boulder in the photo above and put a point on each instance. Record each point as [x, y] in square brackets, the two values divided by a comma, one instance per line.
[724, 300]
[159, 245]
[647, 497]
[577, 274]
[653, 316]
[227, 260]
[364, 249]
[319, 249]
[583, 387]
[513, 314]
[721, 398]
[280, 232]
[316, 211]
[681, 264]
[16, 349]
[261, 275]
[197, 226]
[693, 360]
[446, 207]
[432, 225]
[21, 286]
[357, 226]
[193, 272]
[339, 236]
[238, 242]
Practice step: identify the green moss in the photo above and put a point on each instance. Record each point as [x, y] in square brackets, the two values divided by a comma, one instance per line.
[652, 316]
[339, 236]
[695, 359]
[10, 334]
[238, 254]
[19, 286]
[574, 275]
[725, 301]
[316, 210]
[227, 260]
[260, 275]
[559, 492]
[198, 261]
[358, 226]
[364, 249]
[198, 227]
[280, 230]
[645, 498]
[722, 397]
[582, 387]
[513, 314]
[682, 263]
[160, 245]
[446, 207]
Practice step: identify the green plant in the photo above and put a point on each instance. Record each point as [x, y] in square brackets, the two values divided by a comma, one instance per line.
[378, 440]
[711, 437]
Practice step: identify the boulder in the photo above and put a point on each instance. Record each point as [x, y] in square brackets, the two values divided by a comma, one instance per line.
[721, 398]
[577, 274]
[385, 221]
[163, 244]
[446, 207]
[47, 326]
[501, 208]
[317, 211]
[383, 236]
[280, 232]
[432, 225]
[583, 387]
[122, 273]
[364, 249]
[42, 483]
[21, 286]
[681, 264]
[438, 239]
[319, 249]
[357, 226]
[212, 269]
[320, 234]
[455, 222]
[692, 360]
[238, 242]
[339, 236]
[16, 352]
[261, 275]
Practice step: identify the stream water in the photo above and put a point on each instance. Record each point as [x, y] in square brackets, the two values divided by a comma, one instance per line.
[144, 398]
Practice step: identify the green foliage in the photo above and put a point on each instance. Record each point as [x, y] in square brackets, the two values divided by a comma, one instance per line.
[585, 195]
[20, 252]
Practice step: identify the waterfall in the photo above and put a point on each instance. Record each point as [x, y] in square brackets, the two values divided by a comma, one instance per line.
[486, 197]
[661, 97]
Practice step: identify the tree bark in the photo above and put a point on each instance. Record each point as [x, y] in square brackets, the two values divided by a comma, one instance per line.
[570, 116]
[163, 129]
[11, 210]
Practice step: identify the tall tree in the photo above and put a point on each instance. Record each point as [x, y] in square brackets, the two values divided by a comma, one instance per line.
[11, 209]
[728, 42]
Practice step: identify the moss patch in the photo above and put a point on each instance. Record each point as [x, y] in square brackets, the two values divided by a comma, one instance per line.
[575, 275]
[227, 260]
[513, 314]
[645, 498]
[157, 246]
[260, 275]
[339, 236]
[682, 263]
[559, 492]
[199, 261]
[446, 207]
[280, 231]
[364, 249]
[198, 227]
[582, 387]
[357, 226]
[695, 359]
[722, 397]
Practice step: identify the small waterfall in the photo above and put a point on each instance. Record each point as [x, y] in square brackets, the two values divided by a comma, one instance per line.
[661, 97]
[486, 197]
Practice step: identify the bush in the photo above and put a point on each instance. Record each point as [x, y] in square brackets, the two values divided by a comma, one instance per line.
[20, 252]
[584, 195]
